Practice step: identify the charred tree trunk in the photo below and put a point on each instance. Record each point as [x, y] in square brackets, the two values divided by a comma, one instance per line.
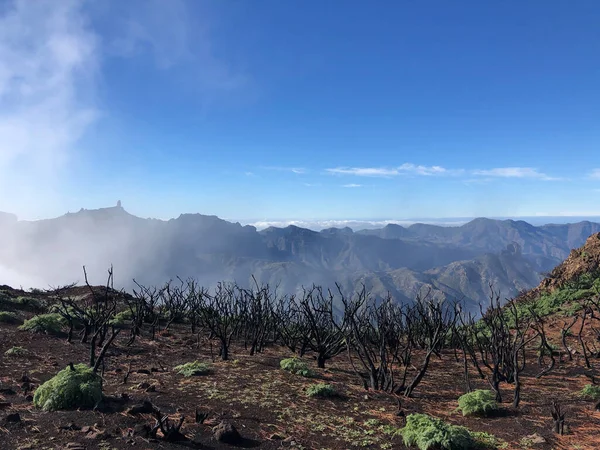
[558, 418]
[321, 361]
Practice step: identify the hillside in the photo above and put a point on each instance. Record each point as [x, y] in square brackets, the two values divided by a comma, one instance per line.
[583, 262]
[456, 262]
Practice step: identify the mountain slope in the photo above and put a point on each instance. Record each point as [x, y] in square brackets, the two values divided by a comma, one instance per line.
[457, 262]
[583, 261]
[552, 242]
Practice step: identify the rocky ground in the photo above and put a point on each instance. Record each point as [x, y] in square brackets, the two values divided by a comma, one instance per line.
[269, 407]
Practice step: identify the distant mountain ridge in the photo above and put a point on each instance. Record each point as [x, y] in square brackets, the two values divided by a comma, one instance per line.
[457, 262]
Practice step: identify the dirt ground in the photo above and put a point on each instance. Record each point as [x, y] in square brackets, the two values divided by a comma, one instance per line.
[268, 406]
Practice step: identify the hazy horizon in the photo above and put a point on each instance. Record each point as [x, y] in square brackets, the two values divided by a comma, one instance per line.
[356, 224]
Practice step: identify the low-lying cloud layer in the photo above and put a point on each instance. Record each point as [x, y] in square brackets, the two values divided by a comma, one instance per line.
[357, 224]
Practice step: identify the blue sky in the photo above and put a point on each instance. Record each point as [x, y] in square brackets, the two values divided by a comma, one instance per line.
[300, 109]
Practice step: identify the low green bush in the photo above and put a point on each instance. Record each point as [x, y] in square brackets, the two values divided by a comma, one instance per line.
[10, 318]
[591, 391]
[477, 403]
[121, 320]
[321, 390]
[29, 303]
[486, 441]
[73, 387]
[16, 351]
[296, 366]
[192, 369]
[5, 299]
[44, 323]
[428, 433]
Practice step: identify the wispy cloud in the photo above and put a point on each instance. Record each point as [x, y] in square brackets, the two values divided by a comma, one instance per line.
[477, 180]
[363, 171]
[352, 185]
[595, 174]
[427, 170]
[172, 36]
[48, 63]
[514, 172]
[296, 170]
[409, 169]
[388, 172]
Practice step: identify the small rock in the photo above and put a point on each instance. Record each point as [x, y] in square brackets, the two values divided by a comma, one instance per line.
[75, 446]
[227, 433]
[535, 438]
[142, 430]
[143, 371]
[86, 429]
[70, 427]
[13, 418]
[101, 435]
[8, 391]
[144, 408]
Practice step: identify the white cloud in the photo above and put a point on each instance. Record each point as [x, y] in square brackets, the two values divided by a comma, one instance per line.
[426, 170]
[421, 170]
[514, 172]
[48, 62]
[296, 170]
[595, 174]
[387, 172]
[352, 185]
[363, 171]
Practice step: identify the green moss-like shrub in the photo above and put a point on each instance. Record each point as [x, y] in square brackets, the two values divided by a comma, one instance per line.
[44, 323]
[296, 366]
[121, 320]
[591, 391]
[486, 441]
[430, 433]
[16, 351]
[321, 390]
[29, 303]
[193, 369]
[10, 318]
[477, 403]
[71, 388]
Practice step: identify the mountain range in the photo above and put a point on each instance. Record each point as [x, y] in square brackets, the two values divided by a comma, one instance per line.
[454, 262]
